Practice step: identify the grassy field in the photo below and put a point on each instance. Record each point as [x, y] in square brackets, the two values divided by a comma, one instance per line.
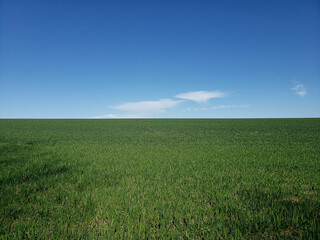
[160, 179]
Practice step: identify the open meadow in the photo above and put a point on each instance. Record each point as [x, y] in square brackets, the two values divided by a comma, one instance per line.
[160, 179]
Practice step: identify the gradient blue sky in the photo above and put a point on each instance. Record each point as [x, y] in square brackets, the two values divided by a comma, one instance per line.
[211, 59]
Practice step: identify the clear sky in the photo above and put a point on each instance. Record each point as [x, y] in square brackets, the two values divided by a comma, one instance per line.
[198, 59]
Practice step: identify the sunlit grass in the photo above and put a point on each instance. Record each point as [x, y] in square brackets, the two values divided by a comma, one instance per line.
[136, 179]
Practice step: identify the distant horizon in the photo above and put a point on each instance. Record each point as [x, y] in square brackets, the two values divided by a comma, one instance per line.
[168, 59]
[150, 118]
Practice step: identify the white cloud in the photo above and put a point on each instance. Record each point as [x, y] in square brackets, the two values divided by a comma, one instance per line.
[201, 96]
[230, 106]
[147, 106]
[218, 107]
[111, 115]
[148, 109]
[300, 89]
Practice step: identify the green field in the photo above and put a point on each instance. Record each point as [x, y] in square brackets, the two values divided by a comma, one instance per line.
[160, 179]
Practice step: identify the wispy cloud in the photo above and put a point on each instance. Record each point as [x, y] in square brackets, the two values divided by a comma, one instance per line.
[147, 106]
[117, 116]
[201, 96]
[218, 107]
[149, 109]
[230, 106]
[300, 89]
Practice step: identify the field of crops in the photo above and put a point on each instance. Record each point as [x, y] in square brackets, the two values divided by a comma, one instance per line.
[160, 178]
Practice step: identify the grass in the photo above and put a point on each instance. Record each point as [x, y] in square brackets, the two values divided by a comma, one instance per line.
[160, 179]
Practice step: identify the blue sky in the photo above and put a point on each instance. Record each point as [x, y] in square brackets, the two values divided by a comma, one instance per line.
[165, 59]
